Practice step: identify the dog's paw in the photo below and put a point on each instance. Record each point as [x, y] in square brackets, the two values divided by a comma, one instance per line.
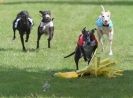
[110, 53]
[13, 38]
[85, 59]
[26, 40]
[102, 49]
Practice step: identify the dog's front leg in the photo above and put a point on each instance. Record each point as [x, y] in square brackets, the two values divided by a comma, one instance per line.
[14, 30]
[27, 36]
[14, 35]
[110, 42]
[39, 36]
[100, 34]
[83, 52]
[22, 41]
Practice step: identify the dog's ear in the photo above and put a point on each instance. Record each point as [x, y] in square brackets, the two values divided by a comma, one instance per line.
[102, 13]
[41, 12]
[83, 30]
[103, 9]
[109, 13]
[52, 19]
[49, 12]
[93, 30]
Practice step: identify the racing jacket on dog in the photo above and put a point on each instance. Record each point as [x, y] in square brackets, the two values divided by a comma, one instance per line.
[100, 24]
[88, 45]
[93, 40]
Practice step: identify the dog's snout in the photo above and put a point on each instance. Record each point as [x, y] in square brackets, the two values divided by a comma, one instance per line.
[106, 21]
[47, 16]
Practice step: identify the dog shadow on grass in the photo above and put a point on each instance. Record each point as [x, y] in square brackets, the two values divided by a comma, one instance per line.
[85, 2]
[18, 50]
[29, 82]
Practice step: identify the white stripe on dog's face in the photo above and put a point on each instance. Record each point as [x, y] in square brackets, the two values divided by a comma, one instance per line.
[105, 17]
[47, 16]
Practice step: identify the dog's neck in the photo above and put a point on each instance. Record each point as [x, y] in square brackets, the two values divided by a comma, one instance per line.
[109, 25]
[100, 24]
[46, 21]
[106, 25]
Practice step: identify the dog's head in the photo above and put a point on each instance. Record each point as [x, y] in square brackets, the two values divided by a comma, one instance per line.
[24, 17]
[46, 15]
[105, 16]
[87, 34]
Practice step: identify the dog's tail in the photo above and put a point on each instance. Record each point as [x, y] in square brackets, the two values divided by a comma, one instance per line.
[70, 55]
[103, 8]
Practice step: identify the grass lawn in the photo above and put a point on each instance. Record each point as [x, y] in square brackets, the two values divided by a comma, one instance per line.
[22, 75]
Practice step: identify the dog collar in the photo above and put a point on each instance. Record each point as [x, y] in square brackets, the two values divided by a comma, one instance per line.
[106, 25]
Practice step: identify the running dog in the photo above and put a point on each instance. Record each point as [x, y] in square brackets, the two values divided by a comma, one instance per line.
[105, 26]
[86, 46]
[23, 23]
[46, 27]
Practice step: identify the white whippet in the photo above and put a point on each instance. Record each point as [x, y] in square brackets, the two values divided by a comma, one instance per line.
[105, 26]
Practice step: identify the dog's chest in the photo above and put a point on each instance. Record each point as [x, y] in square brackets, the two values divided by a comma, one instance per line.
[105, 30]
[49, 24]
[46, 26]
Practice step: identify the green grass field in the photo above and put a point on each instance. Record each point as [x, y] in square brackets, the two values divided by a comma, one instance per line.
[22, 75]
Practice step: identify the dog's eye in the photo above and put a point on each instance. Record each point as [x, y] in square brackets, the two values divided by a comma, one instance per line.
[108, 16]
[102, 16]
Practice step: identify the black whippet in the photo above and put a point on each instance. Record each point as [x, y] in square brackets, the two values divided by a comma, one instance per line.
[23, 23]
[86, 46]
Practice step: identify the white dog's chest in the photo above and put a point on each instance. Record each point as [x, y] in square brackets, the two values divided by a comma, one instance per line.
[105, 30]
